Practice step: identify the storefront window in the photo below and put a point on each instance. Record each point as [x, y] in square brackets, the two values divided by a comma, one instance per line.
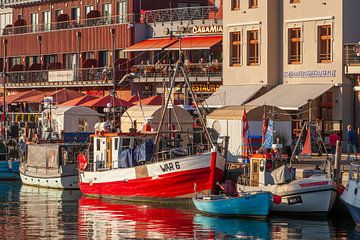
[295, 46]
[325, 44]
[235, 38]
[253, 47]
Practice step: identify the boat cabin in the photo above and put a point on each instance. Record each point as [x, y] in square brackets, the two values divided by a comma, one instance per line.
[259, 171]
[121, 150]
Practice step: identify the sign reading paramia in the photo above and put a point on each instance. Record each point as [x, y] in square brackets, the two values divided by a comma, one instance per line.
[207, 29]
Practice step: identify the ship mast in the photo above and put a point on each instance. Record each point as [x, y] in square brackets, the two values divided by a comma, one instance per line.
[179, 68]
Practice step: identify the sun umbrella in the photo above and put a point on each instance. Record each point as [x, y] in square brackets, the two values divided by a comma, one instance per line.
[103, 101]
[59, 96]
[154, 100]
[79, 101]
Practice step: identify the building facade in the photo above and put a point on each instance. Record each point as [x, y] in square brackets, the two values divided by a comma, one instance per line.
[295, 47]
[74, 44]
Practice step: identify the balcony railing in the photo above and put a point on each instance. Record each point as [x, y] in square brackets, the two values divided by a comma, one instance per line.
[82, 77]
[180, 14]
[195, 71]
[55, 26]
[8, 3]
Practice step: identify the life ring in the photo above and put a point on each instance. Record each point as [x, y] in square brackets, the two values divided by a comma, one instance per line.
[82, 161]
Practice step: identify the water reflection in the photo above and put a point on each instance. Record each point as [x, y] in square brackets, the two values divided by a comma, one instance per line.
[102, 219]
[34, 213]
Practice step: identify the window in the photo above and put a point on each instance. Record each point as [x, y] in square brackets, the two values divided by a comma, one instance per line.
[295, 47]
[97, 144]
[295, 1]
[324, 44]
[88, 9]
[107, 11]
[69, 60]
[57, 13]
[253, 3]
[104, 58]
[5, 19]
[34, 22]
[116, 144]
[75, 14]
[235, 4]
[47, 20]
[253, 47]
[235, 50]
[121, 11]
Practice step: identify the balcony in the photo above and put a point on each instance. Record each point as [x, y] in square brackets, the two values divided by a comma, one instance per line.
[197, 72]
[351, 58]
[181, 14]
[63, 25]
[12, 3]
[88, 77]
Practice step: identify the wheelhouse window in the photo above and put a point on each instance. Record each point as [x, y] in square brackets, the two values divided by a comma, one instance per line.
[253, 47]
[235, 50]
[235, 5]
[324, 44]
[34, 22]
[295, 47]
[107, 11]
[121, 11]
[253, 3]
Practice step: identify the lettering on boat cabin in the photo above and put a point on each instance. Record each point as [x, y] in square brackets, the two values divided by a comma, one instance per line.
[168, 167]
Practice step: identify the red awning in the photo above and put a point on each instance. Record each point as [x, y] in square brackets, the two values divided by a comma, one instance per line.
[192, 43]
[79, 101]
[103, 101]
[154, 100]
[152, 44]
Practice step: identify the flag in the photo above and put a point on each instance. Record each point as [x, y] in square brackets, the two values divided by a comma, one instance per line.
[245, 126]
[269, 135]
[307, 145]
[264, 127]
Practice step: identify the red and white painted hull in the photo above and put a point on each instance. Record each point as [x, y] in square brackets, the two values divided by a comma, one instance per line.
[174, 178]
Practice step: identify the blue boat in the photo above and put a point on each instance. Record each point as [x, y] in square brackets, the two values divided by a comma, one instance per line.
[9, 170]
[251, 204]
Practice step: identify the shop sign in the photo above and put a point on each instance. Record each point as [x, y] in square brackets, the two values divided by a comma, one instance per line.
[61, 76]
[205, 87]
[310, 74]
[207, 29]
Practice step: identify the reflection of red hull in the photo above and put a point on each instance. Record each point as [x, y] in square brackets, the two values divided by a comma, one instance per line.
[123, 184]
[135, 221]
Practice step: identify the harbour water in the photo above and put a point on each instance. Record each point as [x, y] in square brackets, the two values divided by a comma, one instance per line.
[36, 213]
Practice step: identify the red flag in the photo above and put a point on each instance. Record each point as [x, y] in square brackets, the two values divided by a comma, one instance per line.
[264, 127]
[307, 145]
[245, 123]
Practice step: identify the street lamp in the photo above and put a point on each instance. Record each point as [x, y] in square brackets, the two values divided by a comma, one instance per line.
[4, 42]
[112, 32]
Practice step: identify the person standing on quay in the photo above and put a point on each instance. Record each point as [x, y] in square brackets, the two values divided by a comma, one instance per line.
[333, 138]
[351, 141]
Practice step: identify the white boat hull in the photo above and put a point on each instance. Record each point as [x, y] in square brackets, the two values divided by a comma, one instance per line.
[63, 182]
[351, 198]
[315, 195]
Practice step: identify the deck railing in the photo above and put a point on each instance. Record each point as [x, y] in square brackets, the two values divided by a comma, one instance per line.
[103, 75]
[180, 14]
[194, 70]
[56, 26]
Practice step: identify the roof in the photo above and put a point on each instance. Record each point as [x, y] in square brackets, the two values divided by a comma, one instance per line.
[153, 100]
[74, 110]
[254, 113]
[103, 101]
[79, 101]
[17, 97]
[291, 96]
[59, 96]
[232, 95]
[152, 44]
[198, 42]
[139, 113]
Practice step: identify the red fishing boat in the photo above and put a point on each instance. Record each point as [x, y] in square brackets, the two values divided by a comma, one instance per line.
[122, 166]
